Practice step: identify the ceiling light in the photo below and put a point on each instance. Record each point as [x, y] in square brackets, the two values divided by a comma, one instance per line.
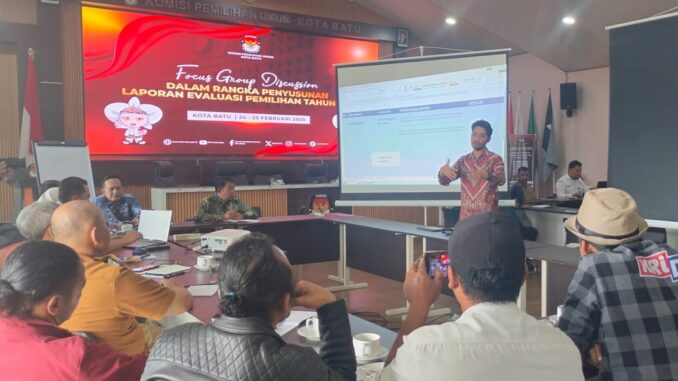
[451, 20]
[569, 20]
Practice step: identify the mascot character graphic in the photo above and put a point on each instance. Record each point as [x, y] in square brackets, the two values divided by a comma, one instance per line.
[133, 117]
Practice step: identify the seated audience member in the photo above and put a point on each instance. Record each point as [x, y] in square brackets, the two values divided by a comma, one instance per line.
[73, 188]
[493, 339]
[34, 223]
[10, 239]
[257, 292]
[34, 220]
[49, 191]
[621, 309]
[40, 285]
[521, 191]
[117, 206]
[571, 183]
[113, 296]
[223, 204]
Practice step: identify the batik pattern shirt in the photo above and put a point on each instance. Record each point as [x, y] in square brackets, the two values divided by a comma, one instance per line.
[626, 299]
[478, 194]
[125, 209]
[212, 209]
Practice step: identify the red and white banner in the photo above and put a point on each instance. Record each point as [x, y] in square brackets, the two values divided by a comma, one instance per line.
[31, 125]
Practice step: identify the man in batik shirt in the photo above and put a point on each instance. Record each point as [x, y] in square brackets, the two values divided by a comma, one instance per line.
[223, 205]
[117, 206]
[480, 171]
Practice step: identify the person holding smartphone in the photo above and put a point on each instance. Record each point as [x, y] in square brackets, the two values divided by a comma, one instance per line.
[493, 338]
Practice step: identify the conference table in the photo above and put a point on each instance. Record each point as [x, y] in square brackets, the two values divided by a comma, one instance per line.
[206, 307]
[384, 248]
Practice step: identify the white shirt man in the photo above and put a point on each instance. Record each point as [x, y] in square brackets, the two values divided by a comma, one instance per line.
[571, 184]
[493, 339]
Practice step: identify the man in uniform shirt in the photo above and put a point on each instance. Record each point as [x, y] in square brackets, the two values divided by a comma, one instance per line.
[571, 184]
[223, 204]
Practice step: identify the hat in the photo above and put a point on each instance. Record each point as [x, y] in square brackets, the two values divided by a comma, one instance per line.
[607, 217]
[487, 241]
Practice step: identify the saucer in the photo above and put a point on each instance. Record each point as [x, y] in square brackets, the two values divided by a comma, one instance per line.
[383, 351]
[369, 372]
[307, 333]
[202, 268]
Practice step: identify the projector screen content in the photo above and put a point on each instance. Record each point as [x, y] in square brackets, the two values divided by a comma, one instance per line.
[158, 85]
[400, 120]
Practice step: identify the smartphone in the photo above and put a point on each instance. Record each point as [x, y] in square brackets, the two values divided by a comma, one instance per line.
[436, 260]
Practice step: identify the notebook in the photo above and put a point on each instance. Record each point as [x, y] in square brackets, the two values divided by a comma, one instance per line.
[166, 271]
[155, 227]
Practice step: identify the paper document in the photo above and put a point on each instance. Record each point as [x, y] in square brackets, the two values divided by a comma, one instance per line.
[203, 289]
[293, 321]
[167, 270]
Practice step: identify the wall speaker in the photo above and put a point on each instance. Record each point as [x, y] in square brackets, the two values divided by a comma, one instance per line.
[568, 97]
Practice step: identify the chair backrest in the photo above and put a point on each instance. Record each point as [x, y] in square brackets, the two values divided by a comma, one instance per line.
[163, 175]
[257, 211]
[315, 173]
[451, 216]
[570, 239]
[264, 171]
[658, 235]
[232, 169]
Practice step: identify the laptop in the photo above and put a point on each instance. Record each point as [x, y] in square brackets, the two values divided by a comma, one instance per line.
[155, 227]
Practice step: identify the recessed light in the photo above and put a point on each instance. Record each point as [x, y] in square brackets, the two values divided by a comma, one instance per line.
[450, 20]
[569, 20]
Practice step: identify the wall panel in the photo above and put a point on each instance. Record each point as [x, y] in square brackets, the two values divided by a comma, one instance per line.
[9, 118]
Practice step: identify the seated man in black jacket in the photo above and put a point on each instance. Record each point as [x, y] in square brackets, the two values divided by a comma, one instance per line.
[256, 292]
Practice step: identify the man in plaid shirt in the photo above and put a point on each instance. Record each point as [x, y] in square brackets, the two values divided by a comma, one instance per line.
[622, 305]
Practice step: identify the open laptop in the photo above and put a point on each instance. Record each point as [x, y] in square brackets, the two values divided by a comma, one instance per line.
[155, 227]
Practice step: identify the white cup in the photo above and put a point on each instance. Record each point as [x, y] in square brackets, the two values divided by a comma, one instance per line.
[313, 325]
[204, 262]
[366, 344]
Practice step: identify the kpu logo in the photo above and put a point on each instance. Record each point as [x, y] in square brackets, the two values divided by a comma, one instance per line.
[250, 44]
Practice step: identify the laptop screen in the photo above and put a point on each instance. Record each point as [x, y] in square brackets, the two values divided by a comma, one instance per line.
[155, 224]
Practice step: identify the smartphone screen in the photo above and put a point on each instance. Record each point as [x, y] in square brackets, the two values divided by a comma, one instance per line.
[436, 260]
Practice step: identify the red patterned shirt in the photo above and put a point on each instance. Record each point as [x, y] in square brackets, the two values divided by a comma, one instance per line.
[478, 194]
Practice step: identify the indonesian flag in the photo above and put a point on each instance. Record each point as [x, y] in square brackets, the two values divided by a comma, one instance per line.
[31, 126]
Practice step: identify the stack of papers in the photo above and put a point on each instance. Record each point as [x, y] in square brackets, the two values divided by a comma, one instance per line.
[203, 289]
[293, 321]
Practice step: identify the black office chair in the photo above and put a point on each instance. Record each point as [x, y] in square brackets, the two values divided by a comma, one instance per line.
[569, 237]
[451, 216]
[232, 169]
[657, 235]
[265, 172]
[315, 173]
[163, 175]
[529, 233]
[257, 211]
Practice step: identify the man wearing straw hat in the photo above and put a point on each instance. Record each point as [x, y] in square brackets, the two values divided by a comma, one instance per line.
[622, 305]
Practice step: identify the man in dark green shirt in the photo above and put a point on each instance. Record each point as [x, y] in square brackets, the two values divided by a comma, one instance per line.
[223, 205]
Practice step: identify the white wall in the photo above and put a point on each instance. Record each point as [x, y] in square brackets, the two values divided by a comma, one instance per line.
[584, 136]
